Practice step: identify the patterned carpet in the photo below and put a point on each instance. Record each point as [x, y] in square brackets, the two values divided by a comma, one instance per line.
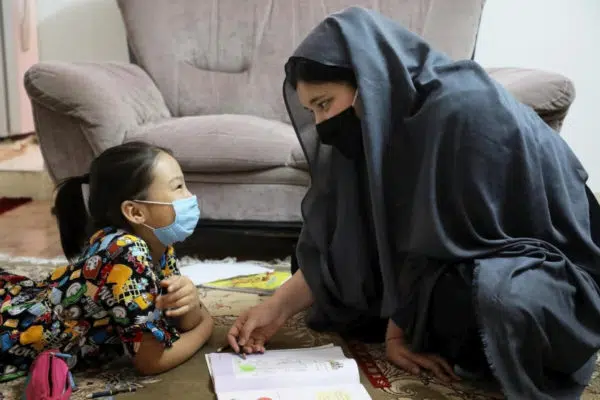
[224, 306]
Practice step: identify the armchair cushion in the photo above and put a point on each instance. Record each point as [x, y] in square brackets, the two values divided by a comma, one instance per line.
[222, 143]
[549, 94]
[108, 99]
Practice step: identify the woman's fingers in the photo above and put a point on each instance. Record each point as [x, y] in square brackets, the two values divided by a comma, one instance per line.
[246, 330]
[234, 332]
[254, 345]
[256, 348]
[436, 365]
[248, 333]
[431, 366]
[248, 347]
[404, 362]
[445, 366]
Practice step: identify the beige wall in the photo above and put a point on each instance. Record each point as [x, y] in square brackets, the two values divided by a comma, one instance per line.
[20, 52]
[80, 30]
[560, 36]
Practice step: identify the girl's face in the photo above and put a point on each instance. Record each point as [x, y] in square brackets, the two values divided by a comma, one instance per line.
[325, 100]
[167, 186]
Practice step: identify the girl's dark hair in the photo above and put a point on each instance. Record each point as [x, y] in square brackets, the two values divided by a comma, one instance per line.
[303, 69]
[119, 173]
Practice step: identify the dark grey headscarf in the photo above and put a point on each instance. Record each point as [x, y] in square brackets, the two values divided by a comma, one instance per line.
[456, 170]
[334, 238]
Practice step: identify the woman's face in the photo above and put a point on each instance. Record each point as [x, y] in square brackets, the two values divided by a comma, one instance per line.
[325, 100]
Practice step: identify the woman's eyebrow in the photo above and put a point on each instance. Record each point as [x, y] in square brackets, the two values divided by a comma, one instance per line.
[316, 99]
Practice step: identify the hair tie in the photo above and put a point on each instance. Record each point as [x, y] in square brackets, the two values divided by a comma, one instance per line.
[85, 194]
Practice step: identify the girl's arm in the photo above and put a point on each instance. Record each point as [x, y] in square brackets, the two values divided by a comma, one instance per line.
[193, 318]
[153, 357]
[155, 343]
[182, 302]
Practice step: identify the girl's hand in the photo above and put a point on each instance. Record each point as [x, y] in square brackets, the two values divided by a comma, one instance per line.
[181, 297]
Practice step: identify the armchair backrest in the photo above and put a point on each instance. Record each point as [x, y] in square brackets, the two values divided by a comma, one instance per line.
[227, 56]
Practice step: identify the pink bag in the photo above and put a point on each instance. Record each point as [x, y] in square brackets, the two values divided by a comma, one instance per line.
[49, 377]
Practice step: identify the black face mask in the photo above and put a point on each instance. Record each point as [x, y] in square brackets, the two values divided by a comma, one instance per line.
[344, 132]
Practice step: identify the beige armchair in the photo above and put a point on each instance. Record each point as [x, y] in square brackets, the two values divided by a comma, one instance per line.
[205, 80]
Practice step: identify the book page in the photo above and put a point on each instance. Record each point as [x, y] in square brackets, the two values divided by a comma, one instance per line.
[282, 369]
[335, 353]
[339, 392]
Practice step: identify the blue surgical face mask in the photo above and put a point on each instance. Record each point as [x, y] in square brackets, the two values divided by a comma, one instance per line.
[187, 214]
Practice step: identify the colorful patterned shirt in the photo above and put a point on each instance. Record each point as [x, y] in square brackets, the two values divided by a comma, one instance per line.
[95, 309]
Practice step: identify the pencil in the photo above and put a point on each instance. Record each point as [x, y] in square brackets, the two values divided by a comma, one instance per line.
[228, 347]
[111, 392]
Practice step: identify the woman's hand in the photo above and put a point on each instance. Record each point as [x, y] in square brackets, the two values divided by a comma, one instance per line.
[181, 298]
[398, 352]
[256, 326]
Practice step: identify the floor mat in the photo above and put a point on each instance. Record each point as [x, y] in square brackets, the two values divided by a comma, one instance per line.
[191, 380]
[9, 203]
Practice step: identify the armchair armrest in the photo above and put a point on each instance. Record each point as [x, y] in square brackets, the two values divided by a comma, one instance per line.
[81, 109]
[549, 94]
[108, 98]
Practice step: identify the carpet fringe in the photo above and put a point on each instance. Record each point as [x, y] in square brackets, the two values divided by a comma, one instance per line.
[33, 260]
[184, 261]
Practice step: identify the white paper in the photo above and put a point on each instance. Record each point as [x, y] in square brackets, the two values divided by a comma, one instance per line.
[205, 272]
[334, 392]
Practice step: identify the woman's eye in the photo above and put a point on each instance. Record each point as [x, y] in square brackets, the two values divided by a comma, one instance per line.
[324, 104]
[179, 187]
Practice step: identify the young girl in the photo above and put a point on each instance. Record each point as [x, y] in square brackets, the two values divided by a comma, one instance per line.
[122, 292]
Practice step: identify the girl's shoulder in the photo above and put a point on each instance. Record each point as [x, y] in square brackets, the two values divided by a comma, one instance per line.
[106, 248]
[113, 242]
[110, 247]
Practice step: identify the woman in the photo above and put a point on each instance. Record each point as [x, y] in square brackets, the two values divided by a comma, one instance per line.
[122, 292]
[440, 202]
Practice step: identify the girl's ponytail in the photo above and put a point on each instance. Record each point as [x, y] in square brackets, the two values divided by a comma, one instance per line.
[72, 215]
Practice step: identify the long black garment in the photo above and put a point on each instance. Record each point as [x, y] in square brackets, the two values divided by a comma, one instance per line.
[459, 172]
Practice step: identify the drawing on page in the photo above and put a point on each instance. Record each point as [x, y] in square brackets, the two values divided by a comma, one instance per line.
[333, 395]
[260, 398]
[327, 395]
[258, 366]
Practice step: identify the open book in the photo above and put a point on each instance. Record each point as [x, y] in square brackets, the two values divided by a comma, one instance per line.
[318, 373]
[238, 277]
[265, 283]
